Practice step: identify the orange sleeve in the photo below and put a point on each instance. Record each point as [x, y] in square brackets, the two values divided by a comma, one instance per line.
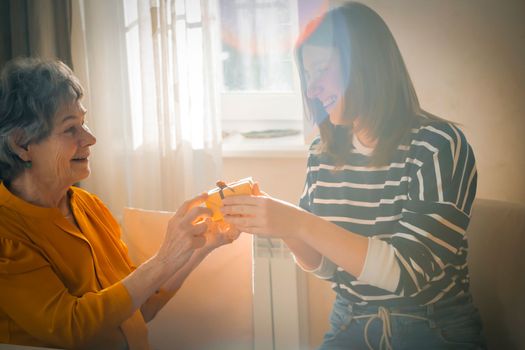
[115, 230]
[33, 296]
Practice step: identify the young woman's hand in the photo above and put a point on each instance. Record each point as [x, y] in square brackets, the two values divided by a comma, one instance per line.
[261, 214]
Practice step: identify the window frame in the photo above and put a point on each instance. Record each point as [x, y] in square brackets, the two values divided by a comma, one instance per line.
[265, 108]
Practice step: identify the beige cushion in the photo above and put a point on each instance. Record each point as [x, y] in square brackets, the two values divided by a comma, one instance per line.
[496, 260]
[213, 309]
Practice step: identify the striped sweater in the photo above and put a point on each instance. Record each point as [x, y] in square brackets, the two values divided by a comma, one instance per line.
[419, 204]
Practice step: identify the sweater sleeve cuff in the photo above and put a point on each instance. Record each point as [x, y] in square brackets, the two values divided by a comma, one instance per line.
[325, 270]
[381, 268]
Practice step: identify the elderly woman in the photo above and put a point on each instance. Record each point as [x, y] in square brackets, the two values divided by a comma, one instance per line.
[66, 278]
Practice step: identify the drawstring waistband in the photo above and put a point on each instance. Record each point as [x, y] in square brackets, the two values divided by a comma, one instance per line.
[384, 315]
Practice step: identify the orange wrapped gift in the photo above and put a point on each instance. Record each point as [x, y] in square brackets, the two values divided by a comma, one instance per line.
[215, 196]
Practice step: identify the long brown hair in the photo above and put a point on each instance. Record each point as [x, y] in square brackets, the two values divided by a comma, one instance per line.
[379, 89]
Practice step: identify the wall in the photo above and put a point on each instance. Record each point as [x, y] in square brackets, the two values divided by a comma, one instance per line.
[467, 62]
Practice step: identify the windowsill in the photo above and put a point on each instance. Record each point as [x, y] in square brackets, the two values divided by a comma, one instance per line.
[235, 145]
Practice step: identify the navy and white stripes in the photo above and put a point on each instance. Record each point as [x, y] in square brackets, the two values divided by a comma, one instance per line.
[419, 204]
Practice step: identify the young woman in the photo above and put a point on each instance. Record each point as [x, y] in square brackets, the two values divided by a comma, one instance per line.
[387, 198]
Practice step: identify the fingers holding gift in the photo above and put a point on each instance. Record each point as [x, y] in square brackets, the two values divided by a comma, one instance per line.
[219, 233]
[196, 223]
[257, 207]
[232, 234]
[257, 201]
[262, 215]
[240, 210]
[229, 233]
[256, 190]
[185, 232]
[196, 216]
[252, 225]
[246, 213]
[191, 203]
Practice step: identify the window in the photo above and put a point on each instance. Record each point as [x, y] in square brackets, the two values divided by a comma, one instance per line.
[259, 85]
[256, 38]
[156, 70]
[133, 63]
[256, 78]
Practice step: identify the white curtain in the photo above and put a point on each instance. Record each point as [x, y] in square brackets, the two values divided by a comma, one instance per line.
[153, 104]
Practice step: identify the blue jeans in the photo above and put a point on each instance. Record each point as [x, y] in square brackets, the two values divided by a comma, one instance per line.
[448, 324]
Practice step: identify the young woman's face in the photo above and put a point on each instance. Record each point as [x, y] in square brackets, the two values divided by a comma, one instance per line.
[62, 158]
[324, 80]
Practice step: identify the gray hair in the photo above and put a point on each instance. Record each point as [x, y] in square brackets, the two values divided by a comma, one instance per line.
[31, 92]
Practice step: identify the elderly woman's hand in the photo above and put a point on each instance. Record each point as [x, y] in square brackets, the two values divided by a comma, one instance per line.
[219, 233]
[185, 232]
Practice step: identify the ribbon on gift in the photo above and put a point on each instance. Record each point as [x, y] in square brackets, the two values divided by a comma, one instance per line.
[222, 185]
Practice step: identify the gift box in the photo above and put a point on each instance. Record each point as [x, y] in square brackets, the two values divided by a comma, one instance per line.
[223, 190]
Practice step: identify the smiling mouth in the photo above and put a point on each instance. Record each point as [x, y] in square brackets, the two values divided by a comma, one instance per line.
[80, 159]
[330, 101]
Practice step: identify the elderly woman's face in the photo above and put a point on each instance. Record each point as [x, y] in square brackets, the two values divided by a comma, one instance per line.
[62, 158]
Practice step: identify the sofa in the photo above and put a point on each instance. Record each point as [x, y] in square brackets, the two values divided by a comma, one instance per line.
[496, 237]
[213, 311]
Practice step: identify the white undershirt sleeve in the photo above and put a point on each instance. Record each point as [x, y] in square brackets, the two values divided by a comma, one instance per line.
[325, 270]
[381, 268]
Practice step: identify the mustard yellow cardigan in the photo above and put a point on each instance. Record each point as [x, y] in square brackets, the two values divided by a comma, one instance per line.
[59, 286]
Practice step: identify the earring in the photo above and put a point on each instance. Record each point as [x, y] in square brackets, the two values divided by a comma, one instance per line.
[28, 164]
